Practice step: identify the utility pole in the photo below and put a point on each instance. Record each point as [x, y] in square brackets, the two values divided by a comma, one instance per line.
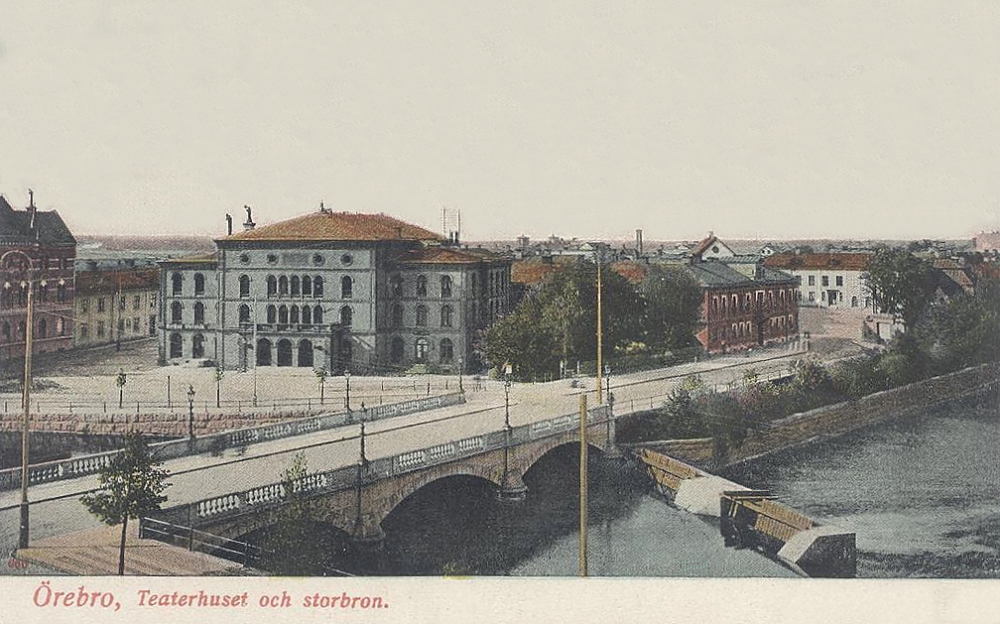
[583, 484]
[600, 398]
[28, 347]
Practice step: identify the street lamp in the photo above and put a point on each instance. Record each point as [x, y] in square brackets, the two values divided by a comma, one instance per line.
[190, 394]
[507, 383]
[461, 369]
[347, 389]
[607, 377]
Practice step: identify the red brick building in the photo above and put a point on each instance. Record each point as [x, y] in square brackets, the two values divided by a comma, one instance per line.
[37, 250]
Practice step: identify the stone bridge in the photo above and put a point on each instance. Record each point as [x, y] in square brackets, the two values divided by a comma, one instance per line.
[357, 498]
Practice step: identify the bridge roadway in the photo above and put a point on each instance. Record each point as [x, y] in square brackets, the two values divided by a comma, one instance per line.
[55, 507]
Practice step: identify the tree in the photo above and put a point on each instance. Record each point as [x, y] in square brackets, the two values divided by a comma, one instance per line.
[901, 284]
[292, 545]
[131, 486]
[672, 304]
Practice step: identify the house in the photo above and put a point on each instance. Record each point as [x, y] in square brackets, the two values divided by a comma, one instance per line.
[37, 251]
[828, 279]
[115, 305]
[339, 290]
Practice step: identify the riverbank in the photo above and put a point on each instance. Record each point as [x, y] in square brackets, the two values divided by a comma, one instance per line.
[977, 383]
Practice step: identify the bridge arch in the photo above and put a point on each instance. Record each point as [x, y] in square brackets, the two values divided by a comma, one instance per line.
[422, 479]
[524, 460]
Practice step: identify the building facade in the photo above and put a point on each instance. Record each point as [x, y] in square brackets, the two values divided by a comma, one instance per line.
[829, 280]
[115, 305]
[341, 291]
[37, 251]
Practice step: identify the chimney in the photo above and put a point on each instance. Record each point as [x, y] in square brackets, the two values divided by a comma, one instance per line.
[248, 224]
[638, 241]
[31, 208]
[229, 224]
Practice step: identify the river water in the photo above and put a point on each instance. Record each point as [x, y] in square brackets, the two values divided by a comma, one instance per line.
[922, 494]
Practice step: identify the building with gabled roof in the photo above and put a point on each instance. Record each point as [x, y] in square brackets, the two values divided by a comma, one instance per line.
[829, 279]
[37, 251]
[337, 290]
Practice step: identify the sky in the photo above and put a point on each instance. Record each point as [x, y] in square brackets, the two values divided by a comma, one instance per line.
[774, 120]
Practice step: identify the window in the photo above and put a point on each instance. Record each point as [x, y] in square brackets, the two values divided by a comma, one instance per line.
[421, 316]
[199, 313]
[121, 303]
[244, 286]
[447, 351]
[263, 352]
[84, 305]
[812, 280]
[305, 356]
[199, 284]
[61, 292]
[293, 315]
[826, 280]
[346, 287]
[282, 285]
[245, 258]
[396, 286]
[244, 314]
[176, 342]
[176, 281]
[420, 350]
[445, 286]
[346, 316]
[317, 286]
[100, 333]
[295, 285]
[854, 302]
[812, 296]
[272, 314]
[84, 330]
[272, 285]
[421, 286]
[317, 315]
[318, 259]
[176, 311]
[840, 280]
[283, 315]
[397, 315]
[284, 352]
[396, 351]
[446, 316]
[306, 315]
[136, 301]
[307, 286]
[346, 259]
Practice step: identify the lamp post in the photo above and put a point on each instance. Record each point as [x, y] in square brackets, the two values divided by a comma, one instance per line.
[347, 389]
[461, 369]
[120, 382]
[190, 394]
[507, 383]
[607, 380]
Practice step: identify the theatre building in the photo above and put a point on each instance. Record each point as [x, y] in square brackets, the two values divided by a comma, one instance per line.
[338, 290]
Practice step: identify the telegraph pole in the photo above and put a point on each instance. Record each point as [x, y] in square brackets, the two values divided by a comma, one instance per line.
[28, 346]
[600, 398]
[583, 484]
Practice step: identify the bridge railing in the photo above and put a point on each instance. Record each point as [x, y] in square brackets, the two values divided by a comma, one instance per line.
[10, 479]
[274, 494]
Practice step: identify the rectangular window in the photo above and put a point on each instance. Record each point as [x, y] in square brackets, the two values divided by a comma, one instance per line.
[100, 304]
[84, 330]
[136, 301]
[840, 280]
[135, 324]
[121, 302]
[100, 329]
[812, 280]
[826, 280]
[812, 296]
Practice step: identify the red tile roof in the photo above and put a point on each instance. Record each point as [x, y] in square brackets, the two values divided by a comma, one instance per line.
[703, 246]
[447, 255]
[632, 271]
[337, 226]
[102, 282]
[820, 261]
[535, 271]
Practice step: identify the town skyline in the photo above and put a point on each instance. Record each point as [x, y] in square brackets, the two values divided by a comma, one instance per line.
[849, 122]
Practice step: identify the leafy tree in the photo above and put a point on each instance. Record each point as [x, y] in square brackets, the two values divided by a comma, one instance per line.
[680, 416]
[963, 332]
[520, 338]
[901, 284]
[673, 304]
[131, 486]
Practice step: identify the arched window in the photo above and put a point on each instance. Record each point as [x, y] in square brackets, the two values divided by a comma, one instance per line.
[346, 287]
[263, 352]
[176, 282]
[43, 328]
[199, 284]
[284, 352]
[317, 315]
[305, 356]
[198, 346]
[199, 313]
[445, 286]
[736, 303]
[421, 316]
[61, 326]
[397, 315]
[295, 285]
[307, 315]
[244, 314]
[396, 352]
[282, 285]
[176, 346]
[283, 315]
[293, 315]
[715, 304]
[272, 314]
[396, 286]
[318, 286]
[272, 285]
[176, 312]
[421, 285]
[307, 285]
[346, 316]
[446, 314]
[447, 351]
[420, 350]
[244, 286]
[61, 293]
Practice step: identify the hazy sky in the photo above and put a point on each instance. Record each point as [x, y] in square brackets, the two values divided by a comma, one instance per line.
[782, 119]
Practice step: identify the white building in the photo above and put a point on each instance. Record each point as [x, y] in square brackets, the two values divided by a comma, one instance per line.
[828, 279]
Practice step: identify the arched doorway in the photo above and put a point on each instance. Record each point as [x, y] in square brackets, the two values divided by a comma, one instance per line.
[284, 352]
[176, 346]
[305, 357]
[263, 352]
